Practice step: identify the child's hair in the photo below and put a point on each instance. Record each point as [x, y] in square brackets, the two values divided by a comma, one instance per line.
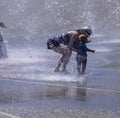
[83, 39]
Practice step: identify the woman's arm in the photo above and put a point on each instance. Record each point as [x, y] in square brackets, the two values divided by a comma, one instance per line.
[71, 43]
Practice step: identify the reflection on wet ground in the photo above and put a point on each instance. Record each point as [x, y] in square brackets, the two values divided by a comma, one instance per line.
[17, 91]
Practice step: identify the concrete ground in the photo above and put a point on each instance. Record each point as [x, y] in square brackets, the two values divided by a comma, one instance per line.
[30, 89]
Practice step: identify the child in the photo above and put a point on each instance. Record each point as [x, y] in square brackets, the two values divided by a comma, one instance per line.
[81, 57]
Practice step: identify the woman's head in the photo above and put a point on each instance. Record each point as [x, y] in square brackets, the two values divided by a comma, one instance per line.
[87, 30]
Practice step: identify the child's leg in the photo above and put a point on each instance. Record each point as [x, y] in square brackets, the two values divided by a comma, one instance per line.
[78, 67]
[84, 62]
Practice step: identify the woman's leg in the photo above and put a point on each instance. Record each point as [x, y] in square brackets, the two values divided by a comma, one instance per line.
[66, 53]
[57, 69]
[66, 58]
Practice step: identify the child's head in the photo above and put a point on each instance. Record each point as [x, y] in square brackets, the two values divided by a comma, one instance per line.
[83, 39]
[80, 42]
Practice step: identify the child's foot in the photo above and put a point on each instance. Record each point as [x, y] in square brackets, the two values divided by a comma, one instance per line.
[65, 72]
[57, 70]
[83, 73]
[79, 73]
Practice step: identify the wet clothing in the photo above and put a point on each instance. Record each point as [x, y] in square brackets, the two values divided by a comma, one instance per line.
[81, 57]
[53, 42]
[59, 45]
[56, 41]
[84, 48]
[65, 51]
[63, 44]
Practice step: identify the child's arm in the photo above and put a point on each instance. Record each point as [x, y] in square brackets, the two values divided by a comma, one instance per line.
[91, 50]
[87, 49]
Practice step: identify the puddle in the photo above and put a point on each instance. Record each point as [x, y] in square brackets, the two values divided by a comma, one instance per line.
[15, 92]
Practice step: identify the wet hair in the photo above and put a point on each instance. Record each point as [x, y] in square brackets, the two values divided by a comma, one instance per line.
[83, 39]
[78, 30]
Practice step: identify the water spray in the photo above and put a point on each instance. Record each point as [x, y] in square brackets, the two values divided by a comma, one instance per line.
[108, 20]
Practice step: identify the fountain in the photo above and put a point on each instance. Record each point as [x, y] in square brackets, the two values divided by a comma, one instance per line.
[27, 74]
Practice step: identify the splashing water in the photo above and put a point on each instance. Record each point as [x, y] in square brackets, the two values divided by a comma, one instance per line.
[35, 21]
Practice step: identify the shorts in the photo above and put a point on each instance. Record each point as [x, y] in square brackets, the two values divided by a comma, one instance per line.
[64, 50]
[80, 58]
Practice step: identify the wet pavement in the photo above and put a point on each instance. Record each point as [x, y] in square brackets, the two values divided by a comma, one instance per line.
[30, 89]
[35, 99]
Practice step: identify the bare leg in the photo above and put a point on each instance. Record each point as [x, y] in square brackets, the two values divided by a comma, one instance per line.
[84, 63]
[66, 60]
[57, 69]
[66, 53]
[78, 67]
[64, 64]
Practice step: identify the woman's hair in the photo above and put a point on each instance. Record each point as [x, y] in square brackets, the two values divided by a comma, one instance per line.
[78, 30]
